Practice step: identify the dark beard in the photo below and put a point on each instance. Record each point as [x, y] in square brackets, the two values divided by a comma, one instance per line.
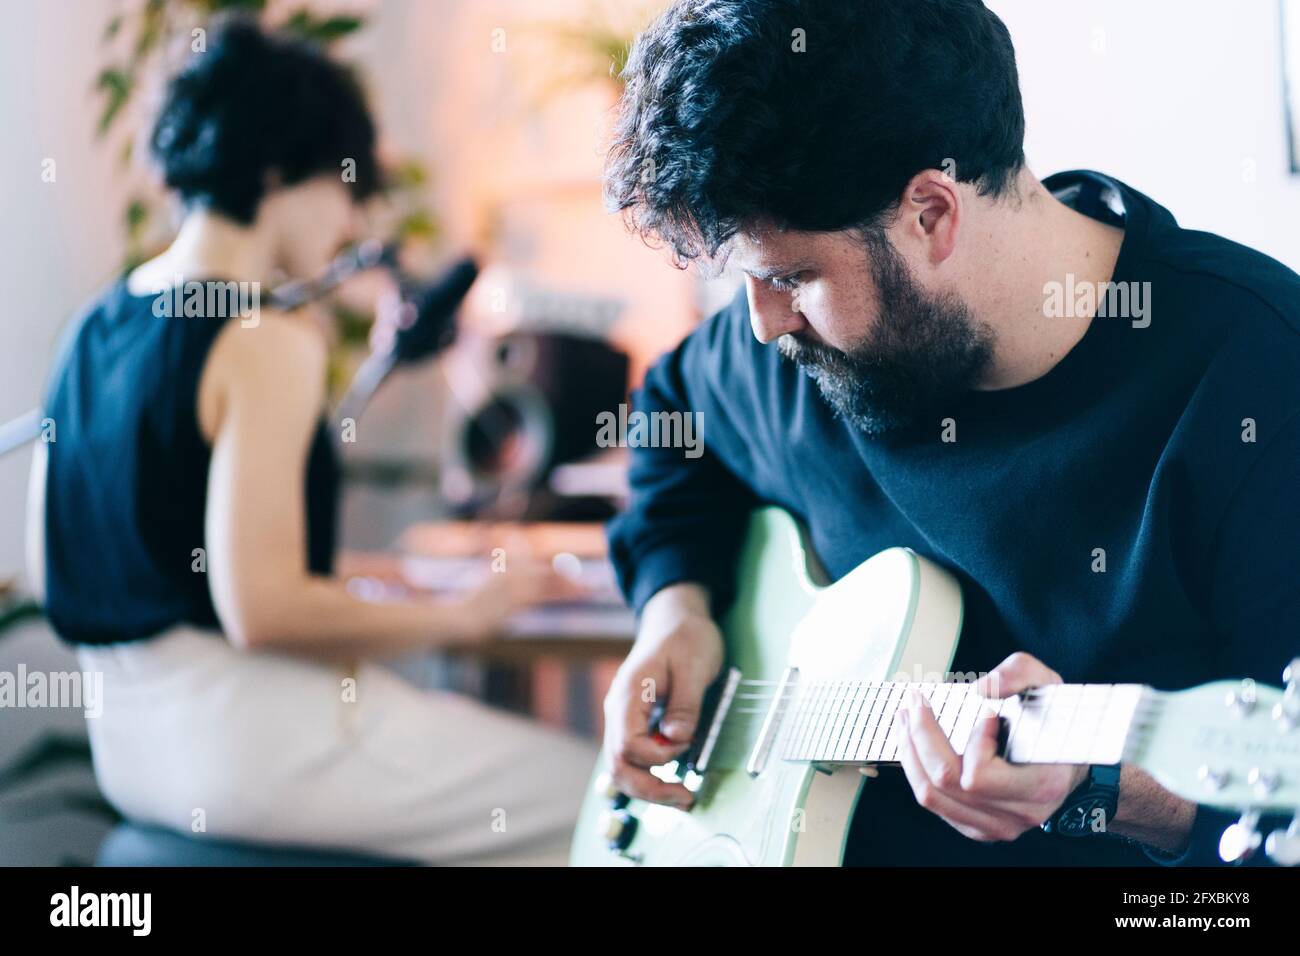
[920, 354]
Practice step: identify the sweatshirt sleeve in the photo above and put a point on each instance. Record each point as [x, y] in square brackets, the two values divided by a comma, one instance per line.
[687, 509]
[1255, 604]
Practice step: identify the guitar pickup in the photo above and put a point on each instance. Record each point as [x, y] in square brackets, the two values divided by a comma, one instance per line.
[713, 712]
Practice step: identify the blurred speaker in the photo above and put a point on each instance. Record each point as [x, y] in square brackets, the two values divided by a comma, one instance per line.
[545, 391]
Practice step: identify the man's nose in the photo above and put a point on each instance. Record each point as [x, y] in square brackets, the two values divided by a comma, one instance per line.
[771, 314]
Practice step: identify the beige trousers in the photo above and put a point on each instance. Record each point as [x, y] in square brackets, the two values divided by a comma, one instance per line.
[203, 738]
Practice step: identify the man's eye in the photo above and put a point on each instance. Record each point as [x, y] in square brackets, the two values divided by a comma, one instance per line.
[784, 283]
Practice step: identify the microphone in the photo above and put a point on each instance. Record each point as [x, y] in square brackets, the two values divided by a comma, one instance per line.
[431, 330]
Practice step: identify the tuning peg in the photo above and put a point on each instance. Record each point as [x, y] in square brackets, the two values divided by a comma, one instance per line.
[1241, 701]
[1214, 779]
[1263, 782]
[1287, 711]
[1240, 841]
[1283, 846]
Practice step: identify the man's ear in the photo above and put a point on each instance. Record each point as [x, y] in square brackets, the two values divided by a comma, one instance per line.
[932, 204]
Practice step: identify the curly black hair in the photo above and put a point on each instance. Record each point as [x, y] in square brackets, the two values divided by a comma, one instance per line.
[808, 114]
[255, 103]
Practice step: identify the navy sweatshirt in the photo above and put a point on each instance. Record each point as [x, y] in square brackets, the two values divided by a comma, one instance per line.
[1172, 443]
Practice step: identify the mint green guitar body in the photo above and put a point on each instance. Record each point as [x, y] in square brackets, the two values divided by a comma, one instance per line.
[895, 614]
[896, 618]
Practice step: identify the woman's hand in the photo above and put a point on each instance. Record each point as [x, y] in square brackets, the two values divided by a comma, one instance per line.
[264, 388]
[525, 583]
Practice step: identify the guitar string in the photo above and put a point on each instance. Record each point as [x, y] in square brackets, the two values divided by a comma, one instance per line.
[729, 732]
[873, 691]
[846, 706]
[744, 741]
[1139, 710]
[824, 683]
[881, 685]
[838, 702]
[876, 717]
[841, 704]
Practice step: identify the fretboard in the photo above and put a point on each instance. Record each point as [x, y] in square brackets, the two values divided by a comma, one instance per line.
[854, 721]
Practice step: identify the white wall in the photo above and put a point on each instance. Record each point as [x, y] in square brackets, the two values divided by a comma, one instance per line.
[1180, 98]
[58, 241]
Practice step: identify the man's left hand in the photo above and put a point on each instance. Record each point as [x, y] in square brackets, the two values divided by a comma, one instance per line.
[979, 793]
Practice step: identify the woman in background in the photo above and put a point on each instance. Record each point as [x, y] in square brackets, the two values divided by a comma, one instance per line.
[188, 521]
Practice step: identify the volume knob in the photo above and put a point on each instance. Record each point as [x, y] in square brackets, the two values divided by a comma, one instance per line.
[618, 829]
[606, 789]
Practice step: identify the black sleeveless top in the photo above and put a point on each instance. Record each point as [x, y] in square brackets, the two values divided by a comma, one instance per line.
[126, 489]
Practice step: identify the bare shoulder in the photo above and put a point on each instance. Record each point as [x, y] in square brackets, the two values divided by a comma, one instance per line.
[273, 360]
[275, 346]
[276, 336]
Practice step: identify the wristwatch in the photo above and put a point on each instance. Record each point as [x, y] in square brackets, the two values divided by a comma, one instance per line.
[1091, 807]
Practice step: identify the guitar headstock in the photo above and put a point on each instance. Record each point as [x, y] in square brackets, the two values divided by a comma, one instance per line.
[1233, 745]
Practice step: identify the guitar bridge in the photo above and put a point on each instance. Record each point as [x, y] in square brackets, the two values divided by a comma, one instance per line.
[767, 736]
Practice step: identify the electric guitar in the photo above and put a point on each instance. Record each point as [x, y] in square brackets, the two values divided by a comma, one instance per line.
[816, 677]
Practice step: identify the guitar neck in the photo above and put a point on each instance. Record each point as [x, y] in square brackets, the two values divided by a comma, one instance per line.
[856, 721]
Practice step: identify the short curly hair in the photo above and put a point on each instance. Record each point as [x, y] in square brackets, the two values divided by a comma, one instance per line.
[255, 103]
[727, 121]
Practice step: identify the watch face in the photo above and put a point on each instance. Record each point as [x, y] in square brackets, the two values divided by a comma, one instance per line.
[1078, 819]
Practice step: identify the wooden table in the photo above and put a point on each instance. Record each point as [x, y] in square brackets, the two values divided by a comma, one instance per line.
[444, 558]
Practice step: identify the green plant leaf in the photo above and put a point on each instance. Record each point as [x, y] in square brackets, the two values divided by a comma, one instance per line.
[137, 215]
[325, 30]
[153, 20]
[116, 84]
[408, 174]
[417, 224]
[220, 6]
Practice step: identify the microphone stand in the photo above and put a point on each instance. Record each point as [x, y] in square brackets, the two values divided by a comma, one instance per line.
[430, 332]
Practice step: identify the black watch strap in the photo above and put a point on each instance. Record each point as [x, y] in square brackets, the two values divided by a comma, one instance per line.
[1091, 807]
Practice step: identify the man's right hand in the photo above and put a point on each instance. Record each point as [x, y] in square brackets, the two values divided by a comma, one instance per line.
[677, 655]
